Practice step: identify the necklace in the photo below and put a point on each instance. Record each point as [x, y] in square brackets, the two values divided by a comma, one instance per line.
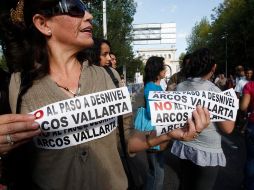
[77, 93]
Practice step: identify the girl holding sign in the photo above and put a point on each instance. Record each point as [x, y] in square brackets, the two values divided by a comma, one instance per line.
[154, 71]
[43, 43]
[201, 157]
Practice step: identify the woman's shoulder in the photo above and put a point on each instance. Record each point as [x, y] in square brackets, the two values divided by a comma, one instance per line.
[94, 72]
[197, 84]
[213, 87]
[249, 86]
[14, 87]
[149, 86]
[98, 76]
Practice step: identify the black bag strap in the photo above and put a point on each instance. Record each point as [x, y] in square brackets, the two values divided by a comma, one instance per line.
[111, 74]
[127, 169]
[128, 172]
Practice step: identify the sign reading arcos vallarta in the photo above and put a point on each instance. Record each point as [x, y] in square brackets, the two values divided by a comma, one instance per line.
[171, 109]
[81, 119]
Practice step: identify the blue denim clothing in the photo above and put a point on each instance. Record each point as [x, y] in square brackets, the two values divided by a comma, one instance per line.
[155, 176]
[249, 166]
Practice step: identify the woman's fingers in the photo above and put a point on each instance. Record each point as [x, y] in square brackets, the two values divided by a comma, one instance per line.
[190, 132]
[18, 126]
[11, 118]
[18, 136]
[201, 118]
[15, 129]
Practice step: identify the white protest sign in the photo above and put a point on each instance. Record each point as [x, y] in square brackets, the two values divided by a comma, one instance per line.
[74, 136]
[167, 115]
[163, 129]
[83, 110]
[218, 104]
[230, 92]
[166, 112]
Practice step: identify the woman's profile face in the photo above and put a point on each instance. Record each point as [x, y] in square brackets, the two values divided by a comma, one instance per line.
[72, 32]
[105, 55]
[162, 74]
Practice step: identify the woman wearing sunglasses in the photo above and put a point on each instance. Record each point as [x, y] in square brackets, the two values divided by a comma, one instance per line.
[43, 41]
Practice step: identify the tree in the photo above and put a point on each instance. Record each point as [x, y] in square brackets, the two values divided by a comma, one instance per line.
[199, 35]
[136, 65]
[119, 27]
[181, 56]
[232, 34]
[2, 62]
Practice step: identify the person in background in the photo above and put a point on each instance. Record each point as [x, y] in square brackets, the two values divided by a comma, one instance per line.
[249, 74]
[244, 80]
[217, 78]
[221, 82]
[230, 82]
[247, 106]
[200, 159]
[49, 65]
[241, 115]
[113, 60]
[123, 79]
[239, 74]
[155, 71]
[177, 77]
[99, 54]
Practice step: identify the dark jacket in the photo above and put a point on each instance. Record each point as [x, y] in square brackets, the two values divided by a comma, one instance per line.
[4, 83]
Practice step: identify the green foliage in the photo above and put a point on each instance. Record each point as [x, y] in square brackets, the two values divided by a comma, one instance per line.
[199, 35]
[2, 62]
[232, 28]
[181, 56]
[120, 15]
[136, 65]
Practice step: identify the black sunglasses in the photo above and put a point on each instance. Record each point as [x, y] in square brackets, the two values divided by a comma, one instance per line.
[75, 8]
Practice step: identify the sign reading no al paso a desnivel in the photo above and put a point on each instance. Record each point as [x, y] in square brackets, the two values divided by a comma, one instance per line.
[81, 119]
[171, 109]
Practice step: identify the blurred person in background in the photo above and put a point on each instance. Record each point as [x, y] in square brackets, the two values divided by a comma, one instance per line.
[113, 60]
[244, 80]
[247, 106]
[221, 82]
[177, 77]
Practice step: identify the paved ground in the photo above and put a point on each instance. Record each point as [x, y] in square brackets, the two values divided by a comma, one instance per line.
[230, 177]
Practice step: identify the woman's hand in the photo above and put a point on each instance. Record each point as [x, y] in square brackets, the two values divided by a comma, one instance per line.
[16, 129]
[201, 120]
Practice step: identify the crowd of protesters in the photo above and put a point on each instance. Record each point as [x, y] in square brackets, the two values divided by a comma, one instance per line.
[241, 80]
[48, 64]
[70, 63]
